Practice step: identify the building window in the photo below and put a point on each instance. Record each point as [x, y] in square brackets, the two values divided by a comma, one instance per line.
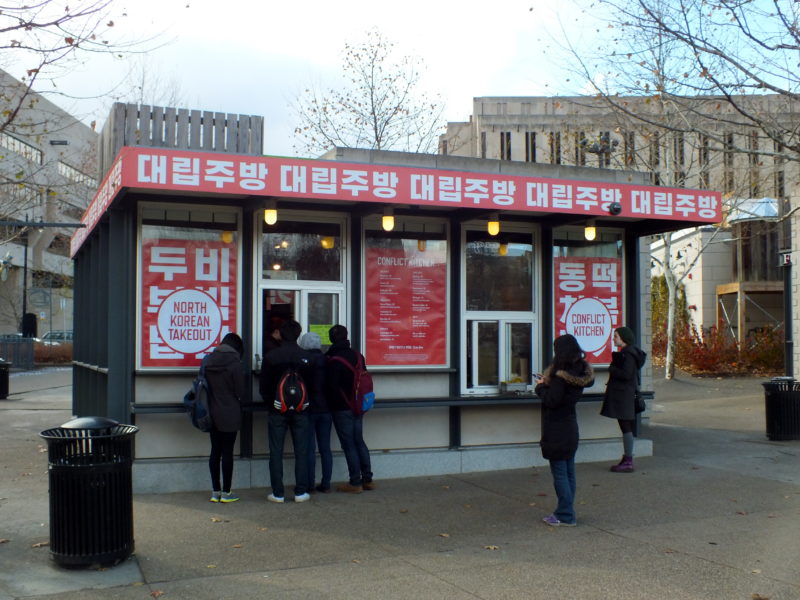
[75, 175]
[530, 146]
[505, 145]
[500, 319]
[630, 149]
[301, 250]
[32, 153]
[580, 149]
[483, 144]
[728, 177]
[554, 140]
[703, 160]
[754, 162]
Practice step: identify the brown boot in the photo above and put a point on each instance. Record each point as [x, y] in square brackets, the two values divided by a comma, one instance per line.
[368, 485]
[349, 488]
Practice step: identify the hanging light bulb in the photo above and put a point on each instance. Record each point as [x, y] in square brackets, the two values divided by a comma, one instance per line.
[493, 224]
[271, 213]
[387, 222]
[503, 249]
[590, 231]
[422, 245]
[327, 242]
[226, 237]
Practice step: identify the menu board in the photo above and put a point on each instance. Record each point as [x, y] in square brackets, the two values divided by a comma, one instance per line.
[588, 300]
[406, 300]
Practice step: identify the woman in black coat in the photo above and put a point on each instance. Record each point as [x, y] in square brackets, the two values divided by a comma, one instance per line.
[225, 376]
[620, 399]
[560, 388]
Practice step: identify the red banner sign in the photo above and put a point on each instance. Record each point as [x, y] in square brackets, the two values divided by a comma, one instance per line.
[202, 172]
[588, 302]
[406, 296]
[189, 299]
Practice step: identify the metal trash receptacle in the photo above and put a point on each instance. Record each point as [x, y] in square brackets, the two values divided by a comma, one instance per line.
[5, 367]
[782, 408]
[91, 491]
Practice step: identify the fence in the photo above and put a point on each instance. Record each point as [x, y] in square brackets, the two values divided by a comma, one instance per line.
[179, 128]
[18, 352]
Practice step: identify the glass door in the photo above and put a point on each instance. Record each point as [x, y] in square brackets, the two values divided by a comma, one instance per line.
[499, 352]
[315, 310]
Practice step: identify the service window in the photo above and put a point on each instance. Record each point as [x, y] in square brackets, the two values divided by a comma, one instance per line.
[588, 288]
[302, 275]
[499, 306]
[188, 283]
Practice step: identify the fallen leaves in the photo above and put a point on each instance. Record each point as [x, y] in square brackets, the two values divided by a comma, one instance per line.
[4, 541]
[491, 547]
[759, 597]
[40, 544]
[156, 593]
[444, 535]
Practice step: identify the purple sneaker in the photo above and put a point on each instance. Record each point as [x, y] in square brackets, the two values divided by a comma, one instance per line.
[553, 521]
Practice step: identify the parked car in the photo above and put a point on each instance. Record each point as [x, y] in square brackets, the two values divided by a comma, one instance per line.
[16, 337]
[57, 336]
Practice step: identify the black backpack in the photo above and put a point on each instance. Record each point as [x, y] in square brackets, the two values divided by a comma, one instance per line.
[292, 392]
[196, 401]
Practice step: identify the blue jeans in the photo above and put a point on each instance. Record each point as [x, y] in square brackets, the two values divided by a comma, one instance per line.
[321, 434]
[564, 482]
[298, 425]
[349, 428]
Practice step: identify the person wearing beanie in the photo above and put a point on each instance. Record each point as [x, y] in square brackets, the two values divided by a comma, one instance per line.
[620, 398]
[320, 415]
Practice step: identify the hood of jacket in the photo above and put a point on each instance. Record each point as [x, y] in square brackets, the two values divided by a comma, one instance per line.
[581, 375]
[637, 353]
[221, 358]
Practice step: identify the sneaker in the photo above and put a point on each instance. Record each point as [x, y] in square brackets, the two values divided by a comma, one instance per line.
[349, 488]
[303, 497]
[368, 485]
[553, 521]
[323, 490]
[214, 497]
[275, 499]
[229, 497]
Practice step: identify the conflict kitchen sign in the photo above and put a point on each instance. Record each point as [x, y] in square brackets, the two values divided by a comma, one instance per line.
[188, 300]
[406, 300]
[588, 301]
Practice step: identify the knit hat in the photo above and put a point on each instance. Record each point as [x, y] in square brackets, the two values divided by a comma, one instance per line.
[626, 335]
[309, 341]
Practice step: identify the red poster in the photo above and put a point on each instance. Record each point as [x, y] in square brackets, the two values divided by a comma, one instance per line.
[588, 301]
[406, 305]
[188, 300]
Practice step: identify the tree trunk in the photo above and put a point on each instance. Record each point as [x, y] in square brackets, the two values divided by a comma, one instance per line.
[672, 306]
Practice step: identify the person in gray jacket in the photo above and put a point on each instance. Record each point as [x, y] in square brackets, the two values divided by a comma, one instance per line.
[225, 376]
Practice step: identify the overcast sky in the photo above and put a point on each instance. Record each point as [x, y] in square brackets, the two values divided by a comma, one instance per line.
[243, 56]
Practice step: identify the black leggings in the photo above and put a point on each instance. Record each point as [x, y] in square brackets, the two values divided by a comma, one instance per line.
[222, 443]
[626, 426]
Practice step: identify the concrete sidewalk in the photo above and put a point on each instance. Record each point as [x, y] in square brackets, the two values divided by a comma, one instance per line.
[714, 514]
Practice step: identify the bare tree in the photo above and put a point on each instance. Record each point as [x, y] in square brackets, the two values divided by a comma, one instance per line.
[700, 70]
[379, 106]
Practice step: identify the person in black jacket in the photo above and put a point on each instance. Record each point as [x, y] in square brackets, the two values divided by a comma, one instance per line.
[560, 388]
[320, 415]
[276, 363]
[349, 426]
[620, 398]
[225, 376]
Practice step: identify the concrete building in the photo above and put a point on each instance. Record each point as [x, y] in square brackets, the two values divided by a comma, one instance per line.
[739, 281]
[47, 177]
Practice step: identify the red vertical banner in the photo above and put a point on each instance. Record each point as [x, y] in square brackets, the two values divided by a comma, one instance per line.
[588, 301]
[406, 305]
[188, 300]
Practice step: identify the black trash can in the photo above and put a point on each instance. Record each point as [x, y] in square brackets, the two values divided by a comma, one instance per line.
[4, 369]
[91, 491]
[782, 404]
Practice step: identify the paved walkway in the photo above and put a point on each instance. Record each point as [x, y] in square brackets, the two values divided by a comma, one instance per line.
[714, 514]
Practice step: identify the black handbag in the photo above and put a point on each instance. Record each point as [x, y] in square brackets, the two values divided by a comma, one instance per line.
[638, 402]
